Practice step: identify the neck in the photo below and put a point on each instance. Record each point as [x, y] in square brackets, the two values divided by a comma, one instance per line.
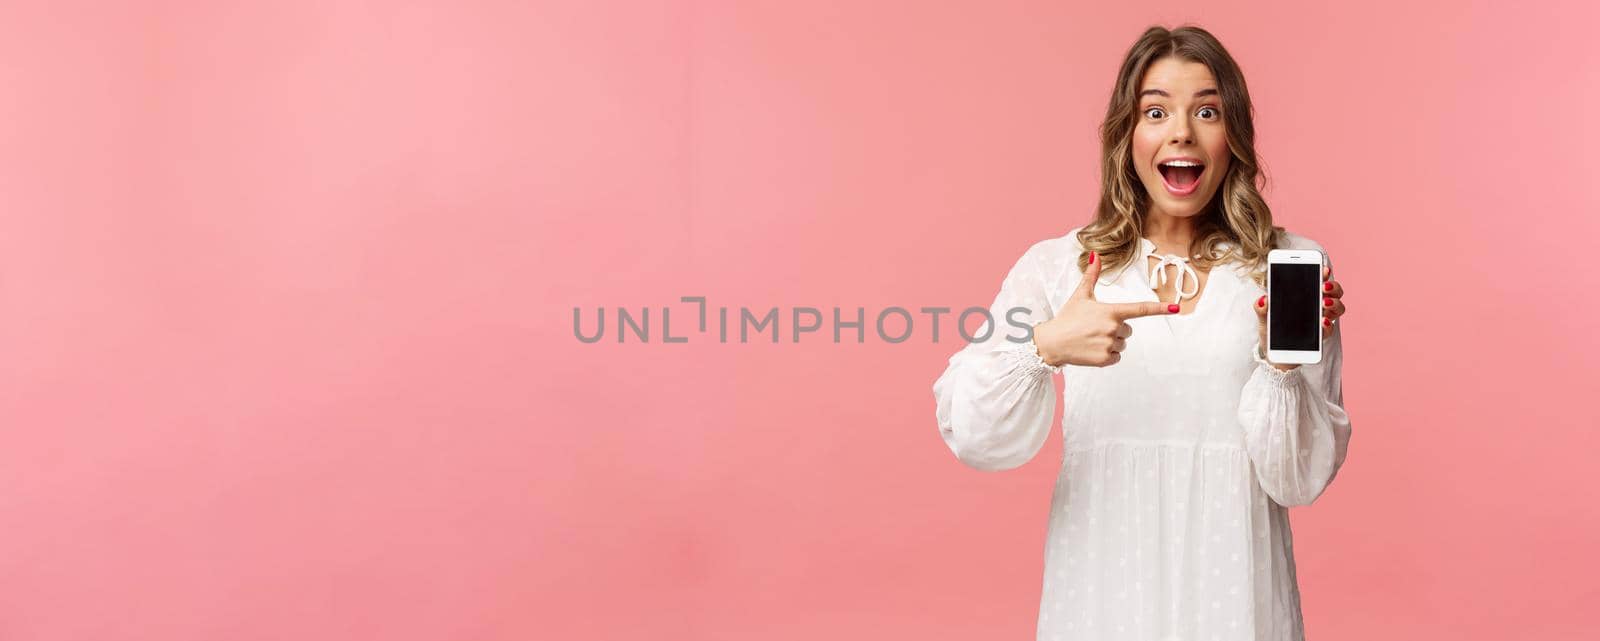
[1171, 234]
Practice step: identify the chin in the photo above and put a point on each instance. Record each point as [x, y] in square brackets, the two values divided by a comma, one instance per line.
[1180, 210]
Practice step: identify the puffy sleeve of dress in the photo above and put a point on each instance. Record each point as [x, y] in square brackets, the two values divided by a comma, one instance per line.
[995, 399]
[1296, 430]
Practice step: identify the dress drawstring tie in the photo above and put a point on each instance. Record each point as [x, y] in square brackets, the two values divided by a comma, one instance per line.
[1158, 276]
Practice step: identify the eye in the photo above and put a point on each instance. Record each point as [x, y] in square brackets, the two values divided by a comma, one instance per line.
[1209, 113]
[1154, 112]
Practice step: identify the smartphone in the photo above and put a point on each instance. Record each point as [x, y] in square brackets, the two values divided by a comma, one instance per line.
[1294, 319]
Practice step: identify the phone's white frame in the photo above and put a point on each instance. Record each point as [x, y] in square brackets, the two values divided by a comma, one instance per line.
[1296, 257]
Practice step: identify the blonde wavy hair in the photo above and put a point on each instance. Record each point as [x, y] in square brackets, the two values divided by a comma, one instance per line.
[1236, 213]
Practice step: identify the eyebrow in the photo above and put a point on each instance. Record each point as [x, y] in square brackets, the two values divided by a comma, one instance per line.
[1163, 93]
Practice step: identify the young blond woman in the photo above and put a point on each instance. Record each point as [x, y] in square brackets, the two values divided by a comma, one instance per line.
[1184, 446]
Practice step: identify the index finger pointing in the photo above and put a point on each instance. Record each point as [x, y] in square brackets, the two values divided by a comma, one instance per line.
[1124, 311]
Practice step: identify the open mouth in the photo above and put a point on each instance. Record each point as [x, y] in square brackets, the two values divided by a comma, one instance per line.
[1181, 176]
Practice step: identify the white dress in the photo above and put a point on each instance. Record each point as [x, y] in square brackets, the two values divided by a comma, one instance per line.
[1169, 518]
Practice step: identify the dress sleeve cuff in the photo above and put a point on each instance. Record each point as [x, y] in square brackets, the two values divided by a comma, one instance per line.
[1278, 377]
[1026, 356]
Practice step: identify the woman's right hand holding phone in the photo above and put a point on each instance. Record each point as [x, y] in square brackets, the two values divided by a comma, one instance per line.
[1087, 332]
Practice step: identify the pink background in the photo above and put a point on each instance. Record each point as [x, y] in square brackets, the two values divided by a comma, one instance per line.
[288, 290]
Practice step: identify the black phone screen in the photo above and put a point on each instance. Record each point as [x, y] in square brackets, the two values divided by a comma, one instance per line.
[1296, 308]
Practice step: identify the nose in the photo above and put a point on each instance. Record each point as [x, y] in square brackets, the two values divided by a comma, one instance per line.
[1182, 133]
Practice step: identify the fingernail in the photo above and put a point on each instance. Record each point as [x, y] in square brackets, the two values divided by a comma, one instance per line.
[1173, 308]
[1328, 286]
[1327, 322]
[1261, 302]
[1093, 256]
[1327, 301]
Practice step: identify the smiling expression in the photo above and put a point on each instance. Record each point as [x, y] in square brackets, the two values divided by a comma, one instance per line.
[1180, 143]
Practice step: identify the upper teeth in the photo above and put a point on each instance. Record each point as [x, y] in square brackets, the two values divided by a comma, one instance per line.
[1181, 163]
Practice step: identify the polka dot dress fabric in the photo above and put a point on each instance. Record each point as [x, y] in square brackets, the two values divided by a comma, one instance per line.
[1169, 518]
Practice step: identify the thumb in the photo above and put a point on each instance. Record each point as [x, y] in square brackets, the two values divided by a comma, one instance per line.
[1091, 276]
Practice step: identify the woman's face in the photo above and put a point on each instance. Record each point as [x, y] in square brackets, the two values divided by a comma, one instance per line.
[1180, 144]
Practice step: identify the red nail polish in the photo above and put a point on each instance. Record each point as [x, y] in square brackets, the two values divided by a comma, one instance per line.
[1261, 302]
[1092, 257]
[1326, 322]
[1328, 286]
[1173, 308]
[1327, 301]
